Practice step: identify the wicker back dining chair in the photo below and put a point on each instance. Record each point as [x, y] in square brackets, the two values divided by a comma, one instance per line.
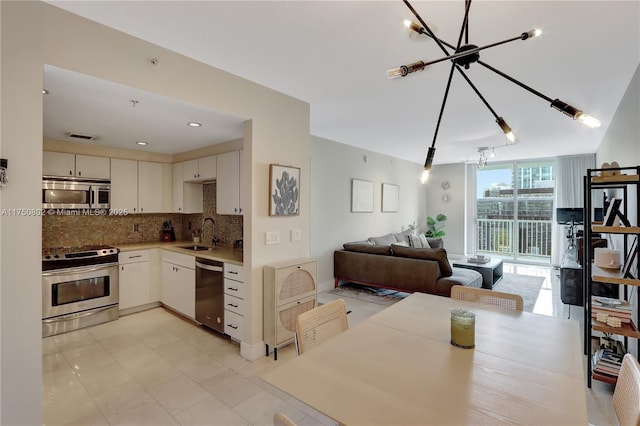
[281, 419]
[626, 396]
[488, 297]
[319, 324]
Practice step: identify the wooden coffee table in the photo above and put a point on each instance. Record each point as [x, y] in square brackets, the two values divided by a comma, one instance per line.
[491, 271]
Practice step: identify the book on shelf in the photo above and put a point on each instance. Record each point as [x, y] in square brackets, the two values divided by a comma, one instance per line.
[607, 362]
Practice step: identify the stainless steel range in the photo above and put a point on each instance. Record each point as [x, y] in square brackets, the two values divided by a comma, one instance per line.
[79, 288]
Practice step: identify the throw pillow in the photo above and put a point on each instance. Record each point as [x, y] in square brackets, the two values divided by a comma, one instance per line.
[403, 236]
[385, 240]
[400, 244]
[368, 248]
[356, 242]
[416, 241]
[439, 255]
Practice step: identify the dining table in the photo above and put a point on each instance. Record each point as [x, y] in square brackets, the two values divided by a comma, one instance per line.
[398, 367]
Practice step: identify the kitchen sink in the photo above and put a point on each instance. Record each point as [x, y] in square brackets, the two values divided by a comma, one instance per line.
[195, 247]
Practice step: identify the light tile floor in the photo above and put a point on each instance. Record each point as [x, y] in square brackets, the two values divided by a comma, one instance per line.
[156, 368]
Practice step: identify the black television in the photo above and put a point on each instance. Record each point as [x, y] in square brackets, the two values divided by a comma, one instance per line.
[565, 215]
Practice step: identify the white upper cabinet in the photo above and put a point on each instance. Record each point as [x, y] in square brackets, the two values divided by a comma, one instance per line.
[150, 187]
[75, 165]
[229, 183]
[187, 196]
[199, 169]
[124, 185]
[88, 166]
[140, 186]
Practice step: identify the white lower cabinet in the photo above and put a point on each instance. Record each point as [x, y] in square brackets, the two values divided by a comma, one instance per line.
[235, 292]
[179, 283]
[135, 279]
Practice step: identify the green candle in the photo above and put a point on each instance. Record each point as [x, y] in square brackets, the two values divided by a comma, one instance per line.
[463, 328]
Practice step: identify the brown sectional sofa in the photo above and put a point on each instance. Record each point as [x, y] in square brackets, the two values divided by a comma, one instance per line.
[400, 267]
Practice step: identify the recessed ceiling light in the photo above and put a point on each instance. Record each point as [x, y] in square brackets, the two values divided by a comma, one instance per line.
[143, 143]
[45, 92]
[194, 124]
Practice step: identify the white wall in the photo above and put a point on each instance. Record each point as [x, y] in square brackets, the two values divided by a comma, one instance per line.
[621, 142]
[455, 209]
[34, 34]
[333, 166]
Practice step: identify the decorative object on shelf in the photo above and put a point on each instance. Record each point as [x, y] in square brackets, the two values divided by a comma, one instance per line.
[630, 260]
[445, 185]
[607, 258]
[435, 225]
[445, 198]
[390, 197]
[614, 216]
[284, 190]
[463, 55]
[361, 196]
[610, 169]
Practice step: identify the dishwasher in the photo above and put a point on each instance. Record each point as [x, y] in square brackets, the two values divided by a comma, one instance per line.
[210, 293]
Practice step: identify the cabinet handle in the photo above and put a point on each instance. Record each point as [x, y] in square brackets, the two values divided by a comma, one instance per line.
[233, 272]
[232, 305]
[70, 172]
[123, 268]
[133, 257]
[232, 289]
[79, 173]
[235, 327]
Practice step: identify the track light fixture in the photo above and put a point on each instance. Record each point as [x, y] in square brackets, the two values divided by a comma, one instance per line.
[463, 56]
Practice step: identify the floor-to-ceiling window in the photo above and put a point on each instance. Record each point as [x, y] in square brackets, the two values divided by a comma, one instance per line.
[515, 210]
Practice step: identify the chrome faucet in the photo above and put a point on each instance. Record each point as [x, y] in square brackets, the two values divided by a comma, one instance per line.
[214, 240]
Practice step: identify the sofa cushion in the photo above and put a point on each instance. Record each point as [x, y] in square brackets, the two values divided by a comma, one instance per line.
[399, 244]
[367, 248]
[385, 240]
[435, 243]
[366, 242]
[439, 255]
[462, 276]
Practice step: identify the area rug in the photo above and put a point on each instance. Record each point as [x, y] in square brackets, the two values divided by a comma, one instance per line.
[526, 286]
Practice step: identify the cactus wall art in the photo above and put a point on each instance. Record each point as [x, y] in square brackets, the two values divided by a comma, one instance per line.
[284, 191]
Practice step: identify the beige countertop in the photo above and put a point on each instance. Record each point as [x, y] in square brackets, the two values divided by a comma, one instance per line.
[222, 254]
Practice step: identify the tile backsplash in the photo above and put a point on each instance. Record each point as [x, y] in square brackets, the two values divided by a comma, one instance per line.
[73, 231]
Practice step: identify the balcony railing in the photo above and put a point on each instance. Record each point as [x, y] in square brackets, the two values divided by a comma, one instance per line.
[495, 236]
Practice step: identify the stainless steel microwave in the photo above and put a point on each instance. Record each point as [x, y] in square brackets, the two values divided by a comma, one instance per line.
[67, 193]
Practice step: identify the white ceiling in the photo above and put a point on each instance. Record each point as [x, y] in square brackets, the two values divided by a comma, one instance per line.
[334, 55]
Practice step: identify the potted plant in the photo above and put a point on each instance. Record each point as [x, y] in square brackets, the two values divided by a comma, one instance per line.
[434, 226]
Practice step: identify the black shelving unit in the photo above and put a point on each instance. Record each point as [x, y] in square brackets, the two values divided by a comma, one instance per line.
[625, 182]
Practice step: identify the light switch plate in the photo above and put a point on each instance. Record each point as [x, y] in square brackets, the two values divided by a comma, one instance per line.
[272, 237]
[295, 235]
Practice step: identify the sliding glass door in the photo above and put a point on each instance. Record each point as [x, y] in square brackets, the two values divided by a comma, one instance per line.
[515, 211]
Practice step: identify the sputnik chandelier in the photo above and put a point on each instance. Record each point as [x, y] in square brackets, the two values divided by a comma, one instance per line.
[462, 56]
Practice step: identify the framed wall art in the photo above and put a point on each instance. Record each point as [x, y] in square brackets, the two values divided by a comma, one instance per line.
[361, 196]
[284, 190]
[390, 198]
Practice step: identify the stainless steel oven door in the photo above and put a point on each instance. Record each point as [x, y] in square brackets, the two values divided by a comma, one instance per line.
[73, 290]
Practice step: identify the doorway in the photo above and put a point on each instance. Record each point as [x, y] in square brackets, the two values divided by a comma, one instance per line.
[514, 211]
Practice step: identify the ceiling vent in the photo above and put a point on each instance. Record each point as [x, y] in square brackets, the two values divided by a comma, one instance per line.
[81, 136]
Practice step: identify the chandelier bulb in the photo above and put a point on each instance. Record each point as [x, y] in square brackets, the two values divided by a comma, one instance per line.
[531, 34]
[425, 176]
[404, 70]
[589, 121]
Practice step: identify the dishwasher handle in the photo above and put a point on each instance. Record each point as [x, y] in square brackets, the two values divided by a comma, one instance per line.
[209, 267]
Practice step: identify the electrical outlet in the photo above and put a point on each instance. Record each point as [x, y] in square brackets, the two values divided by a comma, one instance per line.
[295, 235]
[272, 237]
